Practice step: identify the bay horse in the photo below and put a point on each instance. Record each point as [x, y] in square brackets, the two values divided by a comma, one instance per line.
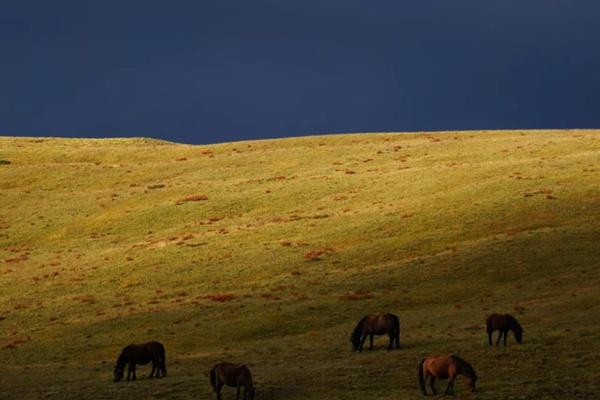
[235, 375]
[503, 323]
[141, 354]
[376, 324]
[445, 367]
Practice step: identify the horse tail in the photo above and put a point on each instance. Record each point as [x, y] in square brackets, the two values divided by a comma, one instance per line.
[397, 331]
[213, 378]
[422, 377]
[163, 362]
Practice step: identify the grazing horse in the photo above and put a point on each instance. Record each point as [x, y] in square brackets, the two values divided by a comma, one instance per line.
[236, 375]
[503, 323]
[141, 354]
[376, 324]
[445, 367]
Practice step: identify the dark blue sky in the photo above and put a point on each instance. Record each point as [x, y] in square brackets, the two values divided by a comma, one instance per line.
[219, 70]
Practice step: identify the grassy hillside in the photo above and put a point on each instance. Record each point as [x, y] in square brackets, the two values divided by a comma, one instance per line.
[268, 252]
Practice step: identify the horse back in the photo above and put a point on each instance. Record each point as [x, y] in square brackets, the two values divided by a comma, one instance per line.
[438, 366]
[381, 323]
[230, 374]
[142, 353]
[155, 347]
[498, 321]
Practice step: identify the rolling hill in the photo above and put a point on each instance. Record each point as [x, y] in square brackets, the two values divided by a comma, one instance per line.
[269, 252]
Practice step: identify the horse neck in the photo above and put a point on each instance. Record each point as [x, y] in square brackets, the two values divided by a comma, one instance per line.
[248, 380]
[466, 369]
[514, 325]
[359, 327]
[123, 359]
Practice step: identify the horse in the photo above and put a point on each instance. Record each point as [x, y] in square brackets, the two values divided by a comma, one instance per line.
[445, 367]
[503, 323]
[376, 324]
[141, 354]
[235, 375]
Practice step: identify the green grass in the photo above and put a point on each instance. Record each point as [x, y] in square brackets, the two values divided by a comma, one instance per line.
[98, 250]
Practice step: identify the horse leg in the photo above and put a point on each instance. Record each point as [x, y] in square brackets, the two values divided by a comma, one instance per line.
[370, 341]
[432, 384]
[490, 336]
[425, 376]
[153, 369]
[499, 337]
[505, 335]
[362, 342]
[163, 365]
[238, 391]
[128, 372]
[218, 387]
[450, 387]
[133, 370]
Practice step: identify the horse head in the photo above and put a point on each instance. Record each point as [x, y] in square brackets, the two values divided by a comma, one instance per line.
[470, 381]
[518, 334]
[118, 373]
[355, 339]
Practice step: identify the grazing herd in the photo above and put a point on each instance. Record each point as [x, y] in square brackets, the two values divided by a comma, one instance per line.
[239, 376]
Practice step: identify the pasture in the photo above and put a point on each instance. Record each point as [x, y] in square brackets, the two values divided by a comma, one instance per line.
[269, 252]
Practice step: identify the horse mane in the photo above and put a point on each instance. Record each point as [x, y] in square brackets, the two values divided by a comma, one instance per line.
[248, 375]
[358, 329]
[515, 324]
[122, 360]
[464, 365]
[213, 378]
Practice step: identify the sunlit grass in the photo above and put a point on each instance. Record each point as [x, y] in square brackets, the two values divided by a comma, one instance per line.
[282, 245]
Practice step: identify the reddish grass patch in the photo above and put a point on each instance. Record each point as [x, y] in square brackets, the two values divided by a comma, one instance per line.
[277, 178]
[181, 159]
[269, 296]
[85, 298]
[545, 191]
[193, 197]
[285, 243]
[315, 255]
[16, 259]
[361, 294]
[219, 297]
[281, 288]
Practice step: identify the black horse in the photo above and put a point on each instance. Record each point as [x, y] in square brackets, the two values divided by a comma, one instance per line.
[141, 354]
[503, 323]
[235, 375]
[376, 324]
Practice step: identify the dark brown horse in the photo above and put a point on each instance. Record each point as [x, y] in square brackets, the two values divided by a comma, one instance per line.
[376, 324]
[503, 323]
[235, 375]
[445, 367]
[141, 354]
